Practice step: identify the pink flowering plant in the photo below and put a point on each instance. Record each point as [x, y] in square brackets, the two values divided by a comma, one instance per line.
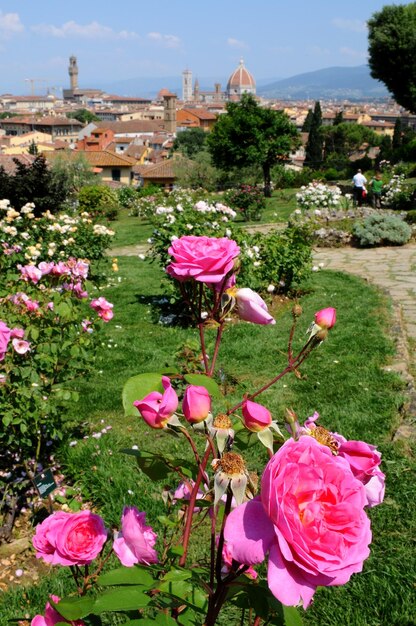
[269, 541]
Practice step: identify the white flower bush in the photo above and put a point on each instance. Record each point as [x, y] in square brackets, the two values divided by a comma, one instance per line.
[318, 196]
[394, 188]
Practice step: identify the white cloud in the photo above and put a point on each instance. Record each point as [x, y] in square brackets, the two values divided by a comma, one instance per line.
[353, 54]
[236, 43]
[169, 41]
[356, 26]
[10, 24]
[94, 30]
[319, 51]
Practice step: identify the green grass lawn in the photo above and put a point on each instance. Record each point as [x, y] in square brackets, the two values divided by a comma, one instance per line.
[343, 380]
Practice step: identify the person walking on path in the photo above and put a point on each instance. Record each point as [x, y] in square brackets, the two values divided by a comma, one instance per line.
[359, 181]
[376, 186]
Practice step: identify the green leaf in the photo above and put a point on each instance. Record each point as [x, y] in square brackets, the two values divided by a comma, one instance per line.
[292, 616]
[185, 591]
[137, 388]
[178, 574]
[73, 608]
[122, 599]
[160, 620]
[126, 576]
[151, 464]
[204, 381]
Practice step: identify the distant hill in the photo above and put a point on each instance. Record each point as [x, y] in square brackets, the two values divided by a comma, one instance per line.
[353, 83]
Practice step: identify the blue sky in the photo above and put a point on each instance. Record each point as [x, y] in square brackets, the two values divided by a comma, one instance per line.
[160, 38]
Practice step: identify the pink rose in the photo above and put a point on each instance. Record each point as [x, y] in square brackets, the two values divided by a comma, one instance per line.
[134, 544]
[252, 308]
[52, 617]
[196, 404]
[255, 416]
[46, 267]
[5, 333]
[103, 308]
[205, 259]
[310, 518]
[21, 346]
[364, 460]
[70, 538]
[60, 269]
[326, 318]
[19, 333]
[156, 409]
[31, 272]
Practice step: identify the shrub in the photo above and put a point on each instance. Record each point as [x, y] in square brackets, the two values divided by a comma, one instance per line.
[249, 200]
[398, 194]
[331, 174]
[284, 177]
[410, 217]
[378, 230]
[318, 196]
[127, 196]
[99, 201]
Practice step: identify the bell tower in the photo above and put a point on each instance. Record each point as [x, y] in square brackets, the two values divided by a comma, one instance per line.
[169, 117]
[73, 72]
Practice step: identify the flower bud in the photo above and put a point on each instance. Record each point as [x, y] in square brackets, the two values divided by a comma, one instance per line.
[255, 416]
[196, 404]
[326, 318]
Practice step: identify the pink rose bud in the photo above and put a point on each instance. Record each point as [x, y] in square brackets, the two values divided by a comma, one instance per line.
[326, 318]
[196, 404]
[252, 308]
[134, 543]
[156, 409]
[21, 346]
[255, 416]
[52, 617]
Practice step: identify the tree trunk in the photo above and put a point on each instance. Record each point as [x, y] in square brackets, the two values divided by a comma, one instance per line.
[267, 181]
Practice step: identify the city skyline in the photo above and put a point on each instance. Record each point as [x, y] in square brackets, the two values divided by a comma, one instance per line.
[137, 41]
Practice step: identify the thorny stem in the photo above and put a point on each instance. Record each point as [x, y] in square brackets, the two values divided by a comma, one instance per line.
[191, 505]
[192, 444]
[216, 348]
[203, 348]
[221, 537]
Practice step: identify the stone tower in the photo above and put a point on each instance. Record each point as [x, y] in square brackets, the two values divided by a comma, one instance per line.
[73, 72]
[169, 117]
[196, 90]
[187, 85]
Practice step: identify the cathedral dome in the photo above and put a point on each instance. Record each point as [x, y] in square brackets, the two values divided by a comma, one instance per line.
[241, 81]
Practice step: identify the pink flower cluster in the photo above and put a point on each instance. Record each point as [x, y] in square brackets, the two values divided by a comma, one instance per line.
[75, 268]
[70, 538]
[23, 301]
[103, 308]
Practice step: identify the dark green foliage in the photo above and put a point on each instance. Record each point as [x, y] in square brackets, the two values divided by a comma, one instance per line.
[196, 173]
[249, 134]
[339, 118]
[411, 217]
[392, 50]
[33, 149]
[397, 134]
[32, 183]
[98, 200]
[314, 147]
[190, 142]
[83, 115]
[342, 140]
[283, 177]
[308, 122]
[379, 230]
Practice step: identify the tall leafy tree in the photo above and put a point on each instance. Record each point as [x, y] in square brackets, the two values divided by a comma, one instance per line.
[83, 115]
[397, 134]
[339, 118]
[392, 51]
[314, 146]
[249, 134]
[190, 142]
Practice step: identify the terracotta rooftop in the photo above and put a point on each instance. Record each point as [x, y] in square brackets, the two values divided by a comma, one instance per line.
[132, 126]
[8, 161]
[105, 158]
[49, 120]
[201, 114]
[164, 169]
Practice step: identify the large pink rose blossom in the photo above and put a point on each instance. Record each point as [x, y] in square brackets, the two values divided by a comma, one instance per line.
[310, 518]
[205, 259]
[134, 544]
[52, 617]
[5, 334]
[156, 409]
[196, 404]
[70, 538]
[252, 308]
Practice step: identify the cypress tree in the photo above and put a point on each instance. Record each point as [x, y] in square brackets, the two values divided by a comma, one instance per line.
[313, 152]
[308, 122]
[339, 118]
[397, 134]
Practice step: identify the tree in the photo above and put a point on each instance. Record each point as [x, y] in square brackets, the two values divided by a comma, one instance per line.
[33, 148]
[343, 140]
[190, 142]
[308, 122]
[339, 118]
[249, 134]
[196, 173]
[83, 115]
[314, 146]
[392, 51]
